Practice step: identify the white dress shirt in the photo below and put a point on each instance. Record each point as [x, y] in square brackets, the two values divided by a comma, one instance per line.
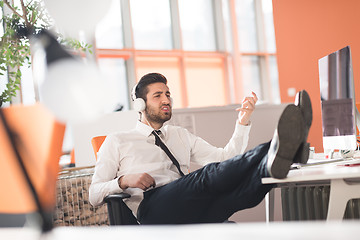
[135, 151]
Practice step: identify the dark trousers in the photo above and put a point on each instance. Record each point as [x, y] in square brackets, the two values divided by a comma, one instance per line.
[210, 194]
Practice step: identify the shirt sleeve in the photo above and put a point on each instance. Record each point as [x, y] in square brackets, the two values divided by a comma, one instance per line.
[203, 153]
[105, 179]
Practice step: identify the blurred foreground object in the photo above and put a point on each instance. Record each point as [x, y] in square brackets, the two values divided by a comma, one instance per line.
[77, 19]
[72, 89]
[38, 140]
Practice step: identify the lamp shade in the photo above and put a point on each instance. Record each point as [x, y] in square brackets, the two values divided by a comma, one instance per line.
[72, 17]
[74, 91]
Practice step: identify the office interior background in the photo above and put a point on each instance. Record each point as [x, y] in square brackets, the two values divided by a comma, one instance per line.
[214, 52]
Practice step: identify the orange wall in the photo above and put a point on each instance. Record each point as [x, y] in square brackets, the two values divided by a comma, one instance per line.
[305, 31]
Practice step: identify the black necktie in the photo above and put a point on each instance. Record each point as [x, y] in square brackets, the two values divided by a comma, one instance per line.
[159, 143]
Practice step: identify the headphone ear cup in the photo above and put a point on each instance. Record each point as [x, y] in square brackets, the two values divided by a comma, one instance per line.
[139, 104]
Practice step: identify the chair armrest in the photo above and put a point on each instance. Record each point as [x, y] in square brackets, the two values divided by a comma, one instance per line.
[118, 211]
[116, 197]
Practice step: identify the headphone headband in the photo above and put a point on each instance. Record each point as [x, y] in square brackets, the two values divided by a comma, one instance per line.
[133, 93]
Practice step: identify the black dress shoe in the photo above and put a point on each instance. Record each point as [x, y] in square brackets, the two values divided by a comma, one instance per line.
[287, 139]
[302, 101]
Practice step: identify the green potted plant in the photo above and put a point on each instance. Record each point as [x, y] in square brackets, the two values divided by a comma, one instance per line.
[15, 44]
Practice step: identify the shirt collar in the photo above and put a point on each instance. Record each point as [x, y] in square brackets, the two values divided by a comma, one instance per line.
[146, 130]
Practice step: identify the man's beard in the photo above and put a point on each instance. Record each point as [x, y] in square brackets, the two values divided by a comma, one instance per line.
[151, 116]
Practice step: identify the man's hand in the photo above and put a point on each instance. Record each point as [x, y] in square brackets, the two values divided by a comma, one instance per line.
[138, 180]
[247, 108]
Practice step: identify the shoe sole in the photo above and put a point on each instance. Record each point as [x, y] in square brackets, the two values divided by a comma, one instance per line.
[306, 108]
[304, 103]
[302, 155]
[290, 131]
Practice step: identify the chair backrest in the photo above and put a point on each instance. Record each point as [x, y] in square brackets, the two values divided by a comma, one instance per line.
[38, 137]
[96, 143]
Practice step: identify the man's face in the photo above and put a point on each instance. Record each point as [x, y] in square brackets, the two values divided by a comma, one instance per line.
[158, 104]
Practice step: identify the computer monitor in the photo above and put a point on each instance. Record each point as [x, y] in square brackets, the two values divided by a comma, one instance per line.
[338, 108]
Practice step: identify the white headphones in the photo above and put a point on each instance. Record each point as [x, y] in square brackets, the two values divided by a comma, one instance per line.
[139, 103]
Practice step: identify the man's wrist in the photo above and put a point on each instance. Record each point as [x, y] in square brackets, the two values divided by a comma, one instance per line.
[244, 124]
[120, 183]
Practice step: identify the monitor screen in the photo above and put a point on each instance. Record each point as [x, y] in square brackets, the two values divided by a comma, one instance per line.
[337, 100]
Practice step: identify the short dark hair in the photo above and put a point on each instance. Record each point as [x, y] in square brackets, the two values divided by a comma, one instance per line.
[141, 89]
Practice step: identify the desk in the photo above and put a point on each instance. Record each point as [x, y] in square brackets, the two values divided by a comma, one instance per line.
[344, 185]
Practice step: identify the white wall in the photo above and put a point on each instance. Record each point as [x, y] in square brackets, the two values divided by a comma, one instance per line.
[216, 124]
[84, 132]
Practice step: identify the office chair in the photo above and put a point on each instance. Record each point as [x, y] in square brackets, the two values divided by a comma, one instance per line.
[96, 143]
[118, 212]
[29, 135]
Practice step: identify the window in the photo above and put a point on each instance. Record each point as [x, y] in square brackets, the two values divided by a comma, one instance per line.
[113, 69]
[246, 25]
[227, 46]
[274, 76]
[251, 75]
[109, 30]
[255, 41]
[197, 25]
[269, 25]
[207, 75]
[151, 24]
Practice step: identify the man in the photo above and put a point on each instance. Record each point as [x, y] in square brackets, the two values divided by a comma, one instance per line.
[163, 191]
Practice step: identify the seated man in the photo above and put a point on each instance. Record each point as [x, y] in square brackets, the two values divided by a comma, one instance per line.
[163, 191]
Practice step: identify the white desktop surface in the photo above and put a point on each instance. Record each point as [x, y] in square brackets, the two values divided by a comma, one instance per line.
[318, 173]
[276, 231]
[344, 184]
